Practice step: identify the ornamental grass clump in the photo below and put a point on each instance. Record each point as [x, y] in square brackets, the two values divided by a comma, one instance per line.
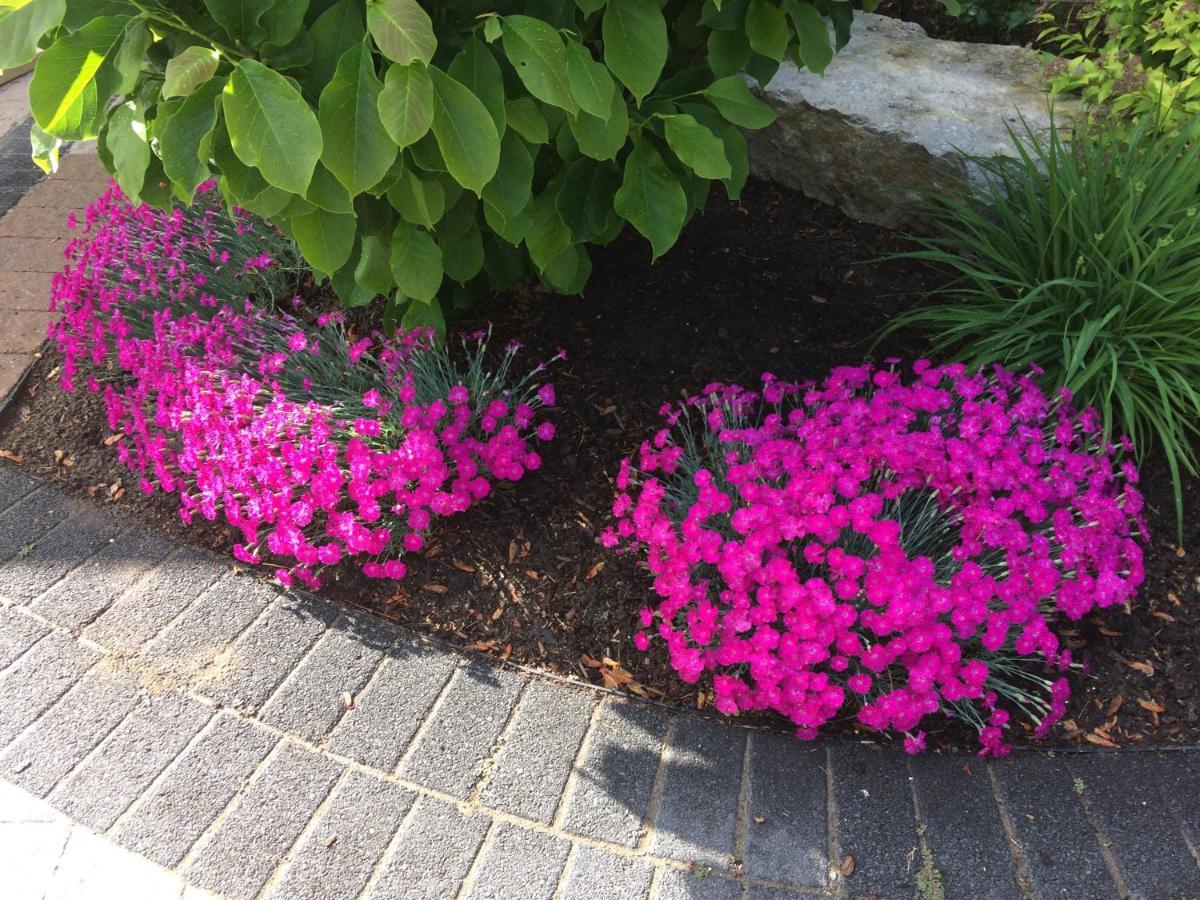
[890, 549]
[314, 444]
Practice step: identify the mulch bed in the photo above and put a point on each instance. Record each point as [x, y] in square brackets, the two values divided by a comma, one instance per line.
[775, 282]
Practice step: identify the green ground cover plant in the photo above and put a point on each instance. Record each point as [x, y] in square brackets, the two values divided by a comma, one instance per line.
[422, 151]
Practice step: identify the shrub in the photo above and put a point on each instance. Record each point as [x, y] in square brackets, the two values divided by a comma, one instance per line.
[1084, 258]
[1130, 58]
[410, 147]
[866, 544]
[314, 444]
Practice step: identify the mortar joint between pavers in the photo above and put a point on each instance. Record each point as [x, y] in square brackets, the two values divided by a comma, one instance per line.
[741, 818]
[90, 755]
[1024, 881]
[561, 887]
[568, 791]
[1106, 852]
[389, 849]
[837, 883]
[33, 723]
[488, 766]
[425, 725]
[656, 790]
[469, 879]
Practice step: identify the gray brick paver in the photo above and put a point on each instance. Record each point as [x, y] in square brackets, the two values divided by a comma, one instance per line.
[38, 679]
[312, 699]
[90, 589]
[594, 874]
[69, 730]
[676, 884]
[378, 728]
[56, 553]
[271, 813]
[139, 614]
[125, 765]
[448, 756]
[176, 810]
[787, 836]
[337, 857]
[517, 862]
[615, 773]
[18, 632]
[13, 486]
[432, 854]
[28, 519]
[532, 766]
[697, 813]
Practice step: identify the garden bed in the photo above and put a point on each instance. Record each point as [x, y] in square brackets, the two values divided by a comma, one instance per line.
[773, 282]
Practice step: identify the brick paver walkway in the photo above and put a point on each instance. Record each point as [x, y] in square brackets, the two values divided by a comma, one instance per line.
[264, 743]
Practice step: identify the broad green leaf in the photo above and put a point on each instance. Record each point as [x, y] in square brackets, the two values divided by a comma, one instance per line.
[189, 69]
[548, 234]
[406, 103]
[585, 199]
[537, 52]
[590, 6]
[45, 148]
[812, 36]
[424, 315]
[728, 52]
[241, 18]
[373, 271]
[735, 145]
[130, 56]
[271, 126]
[492, 29]
[476, 69]
[635, 44]
[346, 287]
[325, 238]
[569, 271]
[512, 189]
[402, 30]
[733, 100]
[75, 78]
[284, 21]
[416, 262]
[602, 138]
[328, 193]
[465, 133]
[651, 199]
[356, 146]
[591, 84]
[697, 147]
[185, 136]
[334, 32]
[418, 200]
[242, 182]
[463, 255]
[527, 120]
[767, 29]
[22, 27]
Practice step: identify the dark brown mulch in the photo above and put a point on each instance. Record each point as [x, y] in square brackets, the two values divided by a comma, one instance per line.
[772, 282]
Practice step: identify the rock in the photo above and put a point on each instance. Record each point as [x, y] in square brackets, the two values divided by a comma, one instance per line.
[891, 113]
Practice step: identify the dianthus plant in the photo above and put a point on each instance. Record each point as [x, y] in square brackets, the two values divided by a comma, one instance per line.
[313, 443]
[870, 546]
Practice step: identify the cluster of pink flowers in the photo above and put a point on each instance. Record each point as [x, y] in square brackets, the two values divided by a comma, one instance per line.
[870, 546]
[313, 444]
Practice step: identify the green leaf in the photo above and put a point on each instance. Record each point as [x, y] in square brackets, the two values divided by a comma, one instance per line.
[271, 126]
[812, 36]
[186, 71]
[465, 133]
[402, 30]
[356, 146]
[735, 145]
[74, 79]
[44, 149]
[767, 29]
[334, 32]
[697, 147]
[327, 192]
[651, 199]
[325, 238]
[418, 200]
[510, 192]
[241, 18]
[185, 136]
[635, 44]
[128, 145]
[130, 56]
[424, 315]
[476, 69]
[527, 120]
[285, 21]
[241, 181]
[373, 271]
[548, 234]
[463, 255]
[416, 262]
[585, 200]
[591, 84]
[21, 29]
[406, 103]
[537, 53]
[728, 52]
[734, 101]
[602, 138]
[590, 6]
[492, 29]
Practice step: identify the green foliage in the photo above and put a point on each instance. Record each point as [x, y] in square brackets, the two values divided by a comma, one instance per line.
[422, 150]
[1084, 258]
[1129, 58]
